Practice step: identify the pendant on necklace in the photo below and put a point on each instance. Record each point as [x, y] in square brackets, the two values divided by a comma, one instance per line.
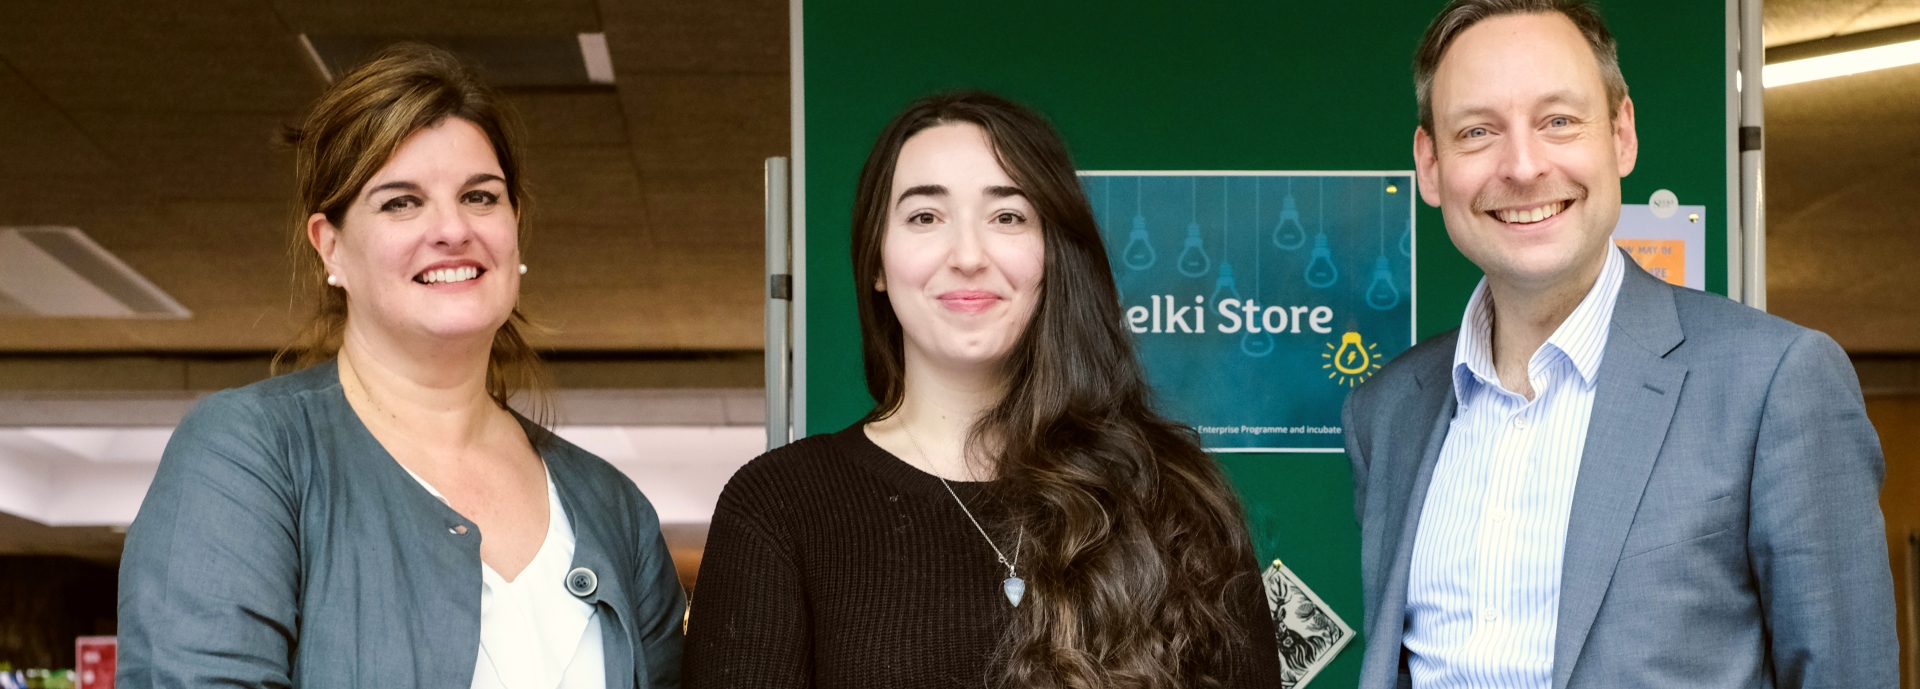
[1016, 589]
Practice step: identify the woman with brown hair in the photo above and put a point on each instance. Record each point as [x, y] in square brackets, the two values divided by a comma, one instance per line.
[1012, 512]
[325, 528]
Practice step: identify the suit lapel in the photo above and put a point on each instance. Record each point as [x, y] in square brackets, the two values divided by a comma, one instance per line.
[1434, 407]
[1638, 388]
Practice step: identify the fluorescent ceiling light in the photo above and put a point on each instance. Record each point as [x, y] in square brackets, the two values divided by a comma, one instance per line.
[314, 55]
[1842, 64]
[593, 52]
[60, 272]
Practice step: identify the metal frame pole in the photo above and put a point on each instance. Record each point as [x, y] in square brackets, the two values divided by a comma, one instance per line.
[779, 301]
[1753, 206]
[1736, 256]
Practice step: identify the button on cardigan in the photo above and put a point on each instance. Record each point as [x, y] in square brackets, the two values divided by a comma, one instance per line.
[281, 546]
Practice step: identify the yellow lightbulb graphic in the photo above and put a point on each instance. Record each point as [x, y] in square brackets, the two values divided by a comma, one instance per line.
[1352, 362]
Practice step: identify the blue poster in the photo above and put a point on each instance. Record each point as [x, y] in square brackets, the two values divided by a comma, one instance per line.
[1259, 299]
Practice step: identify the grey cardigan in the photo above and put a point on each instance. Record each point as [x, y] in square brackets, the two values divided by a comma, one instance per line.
[281, 546]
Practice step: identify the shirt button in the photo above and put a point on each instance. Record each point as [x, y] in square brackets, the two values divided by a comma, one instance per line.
[1521, 422]
[1499, 515]
[1489, 614]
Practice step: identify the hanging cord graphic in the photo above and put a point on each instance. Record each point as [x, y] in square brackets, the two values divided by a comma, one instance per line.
[1139, 254]
[1321, 272]
[1194, 261]
[1251, 343]
[1223, 286]
[1288, 234]
[1406, 238]
[1225, 219]
[1381, 294]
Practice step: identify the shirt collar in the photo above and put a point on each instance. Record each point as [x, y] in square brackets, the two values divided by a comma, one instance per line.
[1582, 338]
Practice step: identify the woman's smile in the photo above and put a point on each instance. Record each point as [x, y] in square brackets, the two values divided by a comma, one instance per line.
[969, 300]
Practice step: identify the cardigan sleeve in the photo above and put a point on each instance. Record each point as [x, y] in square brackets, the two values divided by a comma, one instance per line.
[659, 615]
[210, 577]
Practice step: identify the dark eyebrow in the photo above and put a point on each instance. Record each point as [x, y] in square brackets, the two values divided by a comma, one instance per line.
[1004, 192]
[401, 185]
[922, 190]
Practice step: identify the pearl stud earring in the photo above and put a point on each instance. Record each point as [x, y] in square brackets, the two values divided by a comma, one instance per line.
[523, 269]
[333, 281]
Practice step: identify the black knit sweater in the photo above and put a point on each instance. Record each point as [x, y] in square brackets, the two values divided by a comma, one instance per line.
[833, 563]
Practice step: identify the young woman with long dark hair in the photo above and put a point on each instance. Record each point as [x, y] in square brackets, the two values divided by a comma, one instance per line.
[1013, 512]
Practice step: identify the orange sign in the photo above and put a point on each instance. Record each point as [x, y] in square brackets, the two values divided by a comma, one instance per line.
[1664, 258]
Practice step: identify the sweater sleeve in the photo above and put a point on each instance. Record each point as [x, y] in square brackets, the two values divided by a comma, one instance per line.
[210, 578]
[749, 626]
[1256, 663]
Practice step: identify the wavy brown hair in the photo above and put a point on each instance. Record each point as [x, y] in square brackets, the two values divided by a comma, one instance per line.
[348, 136]
[1134, 535]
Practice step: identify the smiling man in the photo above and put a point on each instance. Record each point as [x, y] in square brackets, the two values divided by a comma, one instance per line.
[1600, 480]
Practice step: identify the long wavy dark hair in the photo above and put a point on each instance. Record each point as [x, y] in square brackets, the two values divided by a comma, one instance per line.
[1134, 536]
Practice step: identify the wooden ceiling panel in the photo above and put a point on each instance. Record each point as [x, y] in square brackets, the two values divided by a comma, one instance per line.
[40, 141]
[583, 117]
[163, 55]
[706, 121]
[261, 231]
[1844, 264]
[583, 187]
[1884, 14]
[698, 36]
[714, 206]
[200, 155]
[647, 300]
[709, 219]
[711, 297]
[466, 17]
[1793, 21]
[1841, 154]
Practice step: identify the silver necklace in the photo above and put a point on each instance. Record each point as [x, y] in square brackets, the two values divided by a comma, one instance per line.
[1014, 586]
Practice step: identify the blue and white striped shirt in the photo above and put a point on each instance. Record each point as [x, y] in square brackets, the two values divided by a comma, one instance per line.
[1483, 593]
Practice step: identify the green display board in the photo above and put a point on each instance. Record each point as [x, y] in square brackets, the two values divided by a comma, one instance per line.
[1232, 85]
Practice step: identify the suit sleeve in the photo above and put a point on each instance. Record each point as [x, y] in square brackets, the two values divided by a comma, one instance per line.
[1816, 538]
[749, 627]
[1349, 414]
[210, 577]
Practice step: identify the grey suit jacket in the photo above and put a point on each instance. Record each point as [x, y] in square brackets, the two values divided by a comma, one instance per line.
[1726, 529]
[281, 546]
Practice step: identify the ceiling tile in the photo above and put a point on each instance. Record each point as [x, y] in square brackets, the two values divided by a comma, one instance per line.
[162, 55]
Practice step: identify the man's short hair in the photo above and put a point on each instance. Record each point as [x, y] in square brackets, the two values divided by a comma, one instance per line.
[1463, 14]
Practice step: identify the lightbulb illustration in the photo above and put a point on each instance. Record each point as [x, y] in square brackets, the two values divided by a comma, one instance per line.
[1382, 295]
[1352, 358]
[1288, 234]
[1139, 254]
[1256, 344]
[1194, 261]
[1223, 287]
[1353, 361]
[1321, 273]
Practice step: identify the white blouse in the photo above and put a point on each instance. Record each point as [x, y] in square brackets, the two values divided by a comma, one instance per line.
[534, 634]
